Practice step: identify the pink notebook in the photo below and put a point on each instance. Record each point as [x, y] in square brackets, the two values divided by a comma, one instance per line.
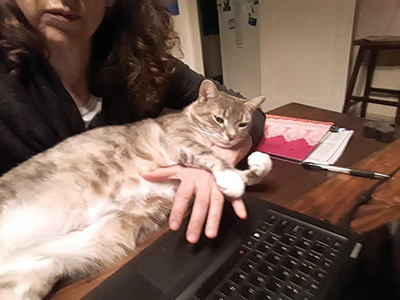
[292, 138]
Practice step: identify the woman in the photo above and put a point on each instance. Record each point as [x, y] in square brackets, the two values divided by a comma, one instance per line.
[71, 65]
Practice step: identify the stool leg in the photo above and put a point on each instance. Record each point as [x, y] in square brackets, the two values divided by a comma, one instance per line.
[353, 79]
[368, 81]
[397, 118]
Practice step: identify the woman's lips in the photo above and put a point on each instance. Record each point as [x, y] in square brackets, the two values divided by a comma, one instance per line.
[62, 16]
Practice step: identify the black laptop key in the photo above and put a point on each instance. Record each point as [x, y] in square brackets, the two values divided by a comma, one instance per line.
[227, 289]
[264, 227]
[304, 296]
[281, 273]
[336, 245]
[312, 287]
[217, 297]
[296, 253]
[298, 279]
[265, 269]
[303, 244]
[271, 239]
[319, 276]
[256, 279]
[273, 258]
[280, 249]
[270, 219]
[306, 268]
[326, 239]
[247, 266]
[238, 277]
[255, 256]
[263, 295]
[257, 235]
[295, 230]
[332, 255]
[280, 227]
[289, 263]
[287, 239]
[246, 291]
[273, 285]
[249, 243]
[291, 292]
[326, 265]
[313, 257]
[318, 247]
[263, 247]
[309, 234]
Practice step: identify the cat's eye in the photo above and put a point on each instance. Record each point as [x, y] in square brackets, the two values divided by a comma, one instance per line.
[218, 119]
[242, 125]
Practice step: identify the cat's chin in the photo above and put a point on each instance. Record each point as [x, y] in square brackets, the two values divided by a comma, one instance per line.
[225, 145]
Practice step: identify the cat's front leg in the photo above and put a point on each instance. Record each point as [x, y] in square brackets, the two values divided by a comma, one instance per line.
[260, 164]
[229, 180]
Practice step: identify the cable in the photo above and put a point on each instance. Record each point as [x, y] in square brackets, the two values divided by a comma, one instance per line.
[363, 198]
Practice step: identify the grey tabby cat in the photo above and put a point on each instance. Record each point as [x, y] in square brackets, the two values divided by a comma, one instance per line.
[81, 206]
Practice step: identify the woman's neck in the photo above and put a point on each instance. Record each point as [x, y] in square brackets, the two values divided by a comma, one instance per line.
[72, 64]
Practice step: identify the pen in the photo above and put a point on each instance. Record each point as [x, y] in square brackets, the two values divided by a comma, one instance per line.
[354, 172]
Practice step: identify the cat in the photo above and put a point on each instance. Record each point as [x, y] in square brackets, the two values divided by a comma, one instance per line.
[81, 206]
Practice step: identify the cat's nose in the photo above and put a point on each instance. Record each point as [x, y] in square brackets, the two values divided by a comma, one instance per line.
[230, 136]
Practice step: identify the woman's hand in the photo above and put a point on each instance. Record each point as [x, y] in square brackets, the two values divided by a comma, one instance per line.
[208, 203]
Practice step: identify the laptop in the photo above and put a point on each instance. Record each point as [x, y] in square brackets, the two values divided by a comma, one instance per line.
[275, 253]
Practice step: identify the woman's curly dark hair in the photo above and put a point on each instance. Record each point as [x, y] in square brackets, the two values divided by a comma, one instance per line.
[131, 47]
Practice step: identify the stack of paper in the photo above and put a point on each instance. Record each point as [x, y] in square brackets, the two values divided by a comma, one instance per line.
[331, 148]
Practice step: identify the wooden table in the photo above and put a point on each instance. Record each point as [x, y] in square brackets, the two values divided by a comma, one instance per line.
[320, 194]
[330, 195]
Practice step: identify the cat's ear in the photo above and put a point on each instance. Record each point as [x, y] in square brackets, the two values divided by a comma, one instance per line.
[207, 90]
[255, 102]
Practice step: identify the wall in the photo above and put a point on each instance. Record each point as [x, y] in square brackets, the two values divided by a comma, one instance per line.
[305, 51]
[187, 26]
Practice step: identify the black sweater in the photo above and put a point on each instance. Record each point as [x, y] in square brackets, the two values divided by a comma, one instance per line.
[36, 112]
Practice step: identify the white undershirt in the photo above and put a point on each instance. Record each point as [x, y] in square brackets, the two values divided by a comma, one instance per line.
[91, 109]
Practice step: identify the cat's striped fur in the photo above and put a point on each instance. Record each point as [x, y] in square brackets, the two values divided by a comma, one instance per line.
[81, 206]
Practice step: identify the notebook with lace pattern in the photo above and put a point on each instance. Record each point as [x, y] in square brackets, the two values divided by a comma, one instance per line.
[292, 138]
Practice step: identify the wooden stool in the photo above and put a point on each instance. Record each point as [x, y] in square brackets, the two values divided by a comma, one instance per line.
[373, 45]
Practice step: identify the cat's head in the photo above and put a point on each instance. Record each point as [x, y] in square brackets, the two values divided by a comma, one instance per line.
[225, 120]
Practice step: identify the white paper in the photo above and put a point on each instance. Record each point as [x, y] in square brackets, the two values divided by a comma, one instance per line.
[331, 148]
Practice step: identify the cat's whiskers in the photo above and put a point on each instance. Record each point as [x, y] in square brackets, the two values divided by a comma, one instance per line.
[207, 132]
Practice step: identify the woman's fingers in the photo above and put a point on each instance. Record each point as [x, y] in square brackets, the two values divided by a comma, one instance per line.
[182, 199]
[214, 213]
[199, 213]
[208, 200]
[239, 208]
[162, 174]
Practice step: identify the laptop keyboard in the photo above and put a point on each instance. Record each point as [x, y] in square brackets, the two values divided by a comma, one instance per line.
[283, 259]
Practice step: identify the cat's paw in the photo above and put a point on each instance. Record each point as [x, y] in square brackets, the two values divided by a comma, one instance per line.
[259, 163]
[230, 183]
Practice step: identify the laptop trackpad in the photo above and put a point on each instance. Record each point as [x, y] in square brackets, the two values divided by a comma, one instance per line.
[164, 269]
